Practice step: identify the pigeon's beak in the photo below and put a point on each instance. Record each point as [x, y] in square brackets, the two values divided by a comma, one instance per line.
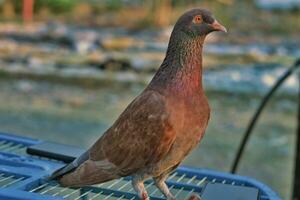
[218, 27]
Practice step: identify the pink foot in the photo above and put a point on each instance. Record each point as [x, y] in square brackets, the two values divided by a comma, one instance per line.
[145, 196]
[194, 197]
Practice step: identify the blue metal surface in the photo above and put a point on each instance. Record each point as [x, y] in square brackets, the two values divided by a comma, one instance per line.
[22, 176]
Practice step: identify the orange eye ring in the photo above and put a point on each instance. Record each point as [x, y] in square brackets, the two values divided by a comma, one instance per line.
[198, 19]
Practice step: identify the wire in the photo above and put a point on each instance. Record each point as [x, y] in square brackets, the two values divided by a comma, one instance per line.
[296, 192]
[255, 117]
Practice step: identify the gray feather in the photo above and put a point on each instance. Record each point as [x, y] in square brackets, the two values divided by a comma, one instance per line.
[70, 167]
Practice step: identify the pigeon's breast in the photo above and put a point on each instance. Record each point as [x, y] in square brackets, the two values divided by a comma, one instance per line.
[194, 119]
[189, 116]
[189, 119]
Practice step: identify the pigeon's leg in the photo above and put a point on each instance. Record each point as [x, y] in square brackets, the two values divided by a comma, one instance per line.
[138, 185]
[160, 183]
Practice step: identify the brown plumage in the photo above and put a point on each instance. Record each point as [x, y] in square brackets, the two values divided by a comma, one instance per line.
[162, 125]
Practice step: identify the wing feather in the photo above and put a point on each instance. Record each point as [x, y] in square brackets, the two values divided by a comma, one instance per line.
[141, 136]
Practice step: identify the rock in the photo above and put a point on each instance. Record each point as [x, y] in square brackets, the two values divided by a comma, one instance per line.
[141, 64]
[24, 86]
[85, 41]
[114, 64]
[117, 43]
[34, 62]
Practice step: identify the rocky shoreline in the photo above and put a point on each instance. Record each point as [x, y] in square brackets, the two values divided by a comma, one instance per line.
[64, 53]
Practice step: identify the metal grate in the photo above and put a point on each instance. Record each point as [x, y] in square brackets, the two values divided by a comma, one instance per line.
[7, 180]
[30, 179]
[12, 147]
[180, 185]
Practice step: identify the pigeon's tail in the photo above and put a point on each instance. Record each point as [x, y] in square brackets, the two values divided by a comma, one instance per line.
[83, 171]
[69, 167]
[89, 173]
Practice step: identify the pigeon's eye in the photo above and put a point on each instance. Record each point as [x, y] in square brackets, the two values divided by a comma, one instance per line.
[198, 19]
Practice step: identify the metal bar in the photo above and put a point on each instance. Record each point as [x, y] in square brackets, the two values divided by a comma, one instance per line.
[191, 180]
[49, 189]
[121, 197]
[178, 185]
[67, 195]
[172, 176]
[14, 147]
[39, 187]
[257, 113]
[60, 191]
[178, 192]
[99, 185]
[114, 183]
[14, 181]
[296, 191]
[201, 181]
[6, 145]
[154, 191]
[20, 149]
[180, 178]
[18, 139]
[150, 184]
[6, 178]
[84, 194]
[124, 185]
[97, 195]
[111, 194]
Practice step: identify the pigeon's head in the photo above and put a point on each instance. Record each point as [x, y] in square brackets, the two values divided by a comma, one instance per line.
[198, 22]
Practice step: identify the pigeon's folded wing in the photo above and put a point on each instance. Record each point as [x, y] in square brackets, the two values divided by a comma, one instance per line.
[142, 135]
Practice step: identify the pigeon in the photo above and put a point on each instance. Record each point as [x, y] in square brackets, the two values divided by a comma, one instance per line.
[161, 126]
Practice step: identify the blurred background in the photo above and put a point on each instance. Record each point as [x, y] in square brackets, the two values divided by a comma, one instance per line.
[68, 68]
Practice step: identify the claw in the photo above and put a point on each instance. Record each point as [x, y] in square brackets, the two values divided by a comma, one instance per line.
[194, 197]
[145, 196]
